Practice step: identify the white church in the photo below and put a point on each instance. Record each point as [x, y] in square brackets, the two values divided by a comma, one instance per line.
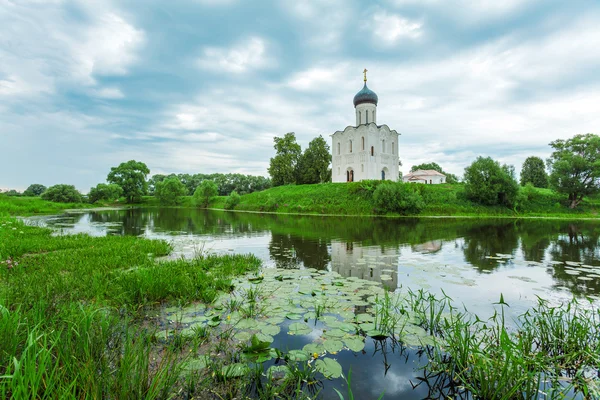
[367, 150]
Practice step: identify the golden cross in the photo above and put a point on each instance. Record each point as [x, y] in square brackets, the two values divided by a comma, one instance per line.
[365, 72]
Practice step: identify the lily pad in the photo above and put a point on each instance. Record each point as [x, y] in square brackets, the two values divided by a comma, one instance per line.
[293, 316]
[355, 343]
[336, 333]
[329, 367]
[333, 345]
[298, 355]
[299, 328]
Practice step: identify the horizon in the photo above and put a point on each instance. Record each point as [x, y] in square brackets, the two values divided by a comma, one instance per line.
[203, 86]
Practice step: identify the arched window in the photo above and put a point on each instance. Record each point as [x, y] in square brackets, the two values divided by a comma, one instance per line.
[373, 119]
[350, 146]
[383, 146]
[338, 148]
[383, 175]
[372, 150]
[393, 148]
[359, 118]
[363, 143]
[362, 167]
[338, 170]
[367, 116]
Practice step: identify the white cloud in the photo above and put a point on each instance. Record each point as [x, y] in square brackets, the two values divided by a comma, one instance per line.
[243, 56]
[390, 28]
[109, 93]
[42, 47]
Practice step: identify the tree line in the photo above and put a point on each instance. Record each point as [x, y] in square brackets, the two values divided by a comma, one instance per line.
[573, 169]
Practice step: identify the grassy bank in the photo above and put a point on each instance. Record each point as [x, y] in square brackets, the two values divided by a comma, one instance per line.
[440, 200]
[23, 206]
[72, 308]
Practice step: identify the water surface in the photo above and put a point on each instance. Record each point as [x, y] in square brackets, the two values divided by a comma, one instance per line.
[471, 260]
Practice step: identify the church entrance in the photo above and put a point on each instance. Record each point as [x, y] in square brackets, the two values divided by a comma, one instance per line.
[350, 176]
[382, 175]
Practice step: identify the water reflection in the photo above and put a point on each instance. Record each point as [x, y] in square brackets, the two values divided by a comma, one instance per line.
[429, 253]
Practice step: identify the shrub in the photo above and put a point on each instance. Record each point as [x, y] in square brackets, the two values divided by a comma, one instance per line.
[488, 183]
[169, 191]
[62, 194]
[204, 192]
[401, 198]
[102, 191]
[34, 190]
[232, 200]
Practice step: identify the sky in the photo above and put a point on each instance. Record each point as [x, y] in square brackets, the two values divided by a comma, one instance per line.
[203, 86]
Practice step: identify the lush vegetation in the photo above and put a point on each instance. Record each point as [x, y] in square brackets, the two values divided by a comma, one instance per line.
[357, 198]
[62, 194]
[104, 192]
[290, 165]
[131, 177]
[34, 189]
[22, 205]
[534, 172]
[226, 183]
[71, 309]
[205, 192]
[489, 183]
[169, 191]
[575, 166]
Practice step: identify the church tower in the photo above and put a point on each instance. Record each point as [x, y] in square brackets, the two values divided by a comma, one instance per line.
[366, 150]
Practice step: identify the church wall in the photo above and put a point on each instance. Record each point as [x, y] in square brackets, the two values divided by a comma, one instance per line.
[363, 164]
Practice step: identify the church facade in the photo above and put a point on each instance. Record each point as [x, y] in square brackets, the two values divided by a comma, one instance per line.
[366, 150]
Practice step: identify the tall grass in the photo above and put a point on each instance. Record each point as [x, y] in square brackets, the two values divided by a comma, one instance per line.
[21, 205]
[71, 309]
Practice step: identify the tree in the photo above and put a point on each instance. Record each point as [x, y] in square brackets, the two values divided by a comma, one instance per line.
[282, 167]
[102, 191]
[204, 192]
[534, 172]
[450, 178]
[169, 191]
[154, 179]
[488, 183]
[575, 167]
[313, 165]
[131, 177]
[34, 190]
[62, 194]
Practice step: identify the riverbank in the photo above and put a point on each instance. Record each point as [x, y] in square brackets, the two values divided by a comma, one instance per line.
[440, 201]
[25, 206]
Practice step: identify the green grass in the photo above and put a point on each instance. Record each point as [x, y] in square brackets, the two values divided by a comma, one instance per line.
[21, 205]
[72, 309]
[440, 200]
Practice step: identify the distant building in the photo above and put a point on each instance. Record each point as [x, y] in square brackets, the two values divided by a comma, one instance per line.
[367, 150]
[429, 176]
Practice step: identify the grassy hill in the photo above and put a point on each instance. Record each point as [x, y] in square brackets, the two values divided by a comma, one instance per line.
[441, 200]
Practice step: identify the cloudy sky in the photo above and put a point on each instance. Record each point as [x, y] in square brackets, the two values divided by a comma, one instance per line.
[204, 85]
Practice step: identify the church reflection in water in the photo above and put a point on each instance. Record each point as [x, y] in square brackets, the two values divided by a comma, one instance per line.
[373, 263]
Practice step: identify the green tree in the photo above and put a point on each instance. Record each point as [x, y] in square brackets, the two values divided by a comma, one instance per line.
[62, 194]
[204, 192]
[34, 190]
[102, 191]
[169, 191]
[488, 183]
[232, 200]
[131, 177]
[154, 179]
[575, 167]
[450, 178]
[313, 165]
[282, 167]
[534, 172]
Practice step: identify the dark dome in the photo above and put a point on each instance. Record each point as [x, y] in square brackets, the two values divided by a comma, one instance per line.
[365, 95]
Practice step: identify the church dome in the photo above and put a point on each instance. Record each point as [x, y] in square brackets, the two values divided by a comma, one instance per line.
[365, 95]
